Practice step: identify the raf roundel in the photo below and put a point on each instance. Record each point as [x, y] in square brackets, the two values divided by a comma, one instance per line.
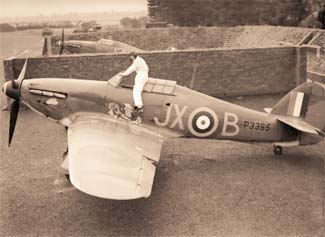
[203, 122]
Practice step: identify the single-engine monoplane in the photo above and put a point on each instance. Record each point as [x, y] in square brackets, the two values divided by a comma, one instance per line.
[89, 47]
[111, 157]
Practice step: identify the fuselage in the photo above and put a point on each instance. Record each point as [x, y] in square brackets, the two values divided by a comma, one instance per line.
[187, 112]
[101, 46]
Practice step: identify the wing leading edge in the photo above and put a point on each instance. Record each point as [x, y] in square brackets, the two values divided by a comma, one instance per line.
[111, 158]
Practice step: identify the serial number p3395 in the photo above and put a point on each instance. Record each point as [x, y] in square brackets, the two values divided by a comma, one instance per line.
[257, 126]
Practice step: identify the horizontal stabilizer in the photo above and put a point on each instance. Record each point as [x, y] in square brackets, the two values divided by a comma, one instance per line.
[300, 125]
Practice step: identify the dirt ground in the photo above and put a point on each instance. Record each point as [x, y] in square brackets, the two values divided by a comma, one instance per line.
[201, 188]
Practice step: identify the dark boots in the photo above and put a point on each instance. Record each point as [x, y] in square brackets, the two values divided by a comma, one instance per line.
[137, 115]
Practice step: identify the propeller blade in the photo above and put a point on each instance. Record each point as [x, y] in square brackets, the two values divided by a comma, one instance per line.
[44, 47]
[13, 119]
[62, 36]
[22, 73]
[16, 83]
[61, 49]
[62, 42]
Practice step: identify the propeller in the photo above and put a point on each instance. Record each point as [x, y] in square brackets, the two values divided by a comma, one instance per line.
[12, 90]
[61, 43]
[44, 52]
[13, 119]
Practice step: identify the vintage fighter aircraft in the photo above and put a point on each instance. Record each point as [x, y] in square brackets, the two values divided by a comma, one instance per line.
[100, 46]
[110, 157]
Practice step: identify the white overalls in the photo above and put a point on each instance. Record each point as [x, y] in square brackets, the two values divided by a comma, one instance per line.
[141, 68]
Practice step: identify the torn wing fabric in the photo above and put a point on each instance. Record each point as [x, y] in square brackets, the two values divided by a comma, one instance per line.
[112, 159]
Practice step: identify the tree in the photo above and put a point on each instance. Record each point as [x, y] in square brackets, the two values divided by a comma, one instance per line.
[154, 8]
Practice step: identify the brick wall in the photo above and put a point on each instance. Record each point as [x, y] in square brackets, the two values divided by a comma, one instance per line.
[217, 72]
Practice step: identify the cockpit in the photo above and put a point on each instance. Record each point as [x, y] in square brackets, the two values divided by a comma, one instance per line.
[153, 85]
[106, 42]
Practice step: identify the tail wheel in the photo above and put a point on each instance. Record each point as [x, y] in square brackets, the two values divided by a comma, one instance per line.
[277, 150]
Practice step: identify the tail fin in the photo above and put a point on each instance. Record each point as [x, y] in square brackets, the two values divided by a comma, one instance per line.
[307, 101]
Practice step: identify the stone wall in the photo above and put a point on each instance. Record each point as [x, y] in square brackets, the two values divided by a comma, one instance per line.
[216, 72]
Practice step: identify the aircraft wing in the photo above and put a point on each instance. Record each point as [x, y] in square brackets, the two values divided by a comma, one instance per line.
[112, 158]
[299, 124]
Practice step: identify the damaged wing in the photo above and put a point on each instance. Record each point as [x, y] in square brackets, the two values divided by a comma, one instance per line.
[112, 158]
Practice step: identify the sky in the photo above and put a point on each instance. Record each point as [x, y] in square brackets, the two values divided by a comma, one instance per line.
[15, 8]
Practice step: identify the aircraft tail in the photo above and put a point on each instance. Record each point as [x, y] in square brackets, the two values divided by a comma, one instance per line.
[303, 108]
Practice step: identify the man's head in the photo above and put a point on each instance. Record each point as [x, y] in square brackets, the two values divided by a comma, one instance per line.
[133, 55]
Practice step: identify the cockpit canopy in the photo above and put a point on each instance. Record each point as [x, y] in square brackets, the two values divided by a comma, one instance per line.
[152, 86]
[106, 42]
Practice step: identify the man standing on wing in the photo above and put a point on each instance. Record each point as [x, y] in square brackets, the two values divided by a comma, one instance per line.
[139, 66]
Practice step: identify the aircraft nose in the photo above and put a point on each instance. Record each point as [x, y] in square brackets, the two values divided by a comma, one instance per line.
[9, 90]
